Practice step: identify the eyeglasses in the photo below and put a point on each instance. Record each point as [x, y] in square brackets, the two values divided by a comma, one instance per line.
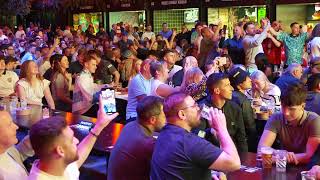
[195, 105]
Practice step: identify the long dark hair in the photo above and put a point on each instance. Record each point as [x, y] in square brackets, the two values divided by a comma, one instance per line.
[56, 59]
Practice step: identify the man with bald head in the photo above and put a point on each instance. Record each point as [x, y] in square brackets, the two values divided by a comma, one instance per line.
[292, 75]
[12, 157]
[139, 87]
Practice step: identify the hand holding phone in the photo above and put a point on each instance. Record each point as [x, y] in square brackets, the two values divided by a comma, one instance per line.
[108, 100]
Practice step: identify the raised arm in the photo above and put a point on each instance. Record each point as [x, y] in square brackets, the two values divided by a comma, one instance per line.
[86, 145]
[274, 40]
[229, 159]
[273, 32]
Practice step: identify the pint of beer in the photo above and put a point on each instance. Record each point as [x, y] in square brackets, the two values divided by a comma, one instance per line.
[266, 153]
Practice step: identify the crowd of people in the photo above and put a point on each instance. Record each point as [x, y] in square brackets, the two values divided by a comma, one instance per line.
[203, 93]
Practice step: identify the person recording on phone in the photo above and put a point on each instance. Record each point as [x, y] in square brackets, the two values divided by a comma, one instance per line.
[86, 92]
[60, 153]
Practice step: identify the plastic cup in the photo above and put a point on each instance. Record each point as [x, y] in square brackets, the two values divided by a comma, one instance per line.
[306, 175]
[281, 160]
[266, 154]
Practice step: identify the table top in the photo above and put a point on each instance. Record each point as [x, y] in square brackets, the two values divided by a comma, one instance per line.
[105, 141]
[249, 159]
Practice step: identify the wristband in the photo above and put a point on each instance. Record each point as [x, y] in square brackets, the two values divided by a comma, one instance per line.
[95, 135]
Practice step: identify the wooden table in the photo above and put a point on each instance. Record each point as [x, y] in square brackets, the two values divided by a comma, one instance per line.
[249, 159]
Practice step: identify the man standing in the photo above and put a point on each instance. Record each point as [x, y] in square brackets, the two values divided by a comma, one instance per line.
[293, 43]
[166, 32]
[139, 87]
[148, 33]
[220, 90]
[235, 47]
[12, 157]
[126, 154]
[252, 42]
[180, 154]
[298, 130]
[56, 147]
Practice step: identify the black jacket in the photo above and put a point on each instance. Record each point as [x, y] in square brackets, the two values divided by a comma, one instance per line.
[248, 119]
[234, 120]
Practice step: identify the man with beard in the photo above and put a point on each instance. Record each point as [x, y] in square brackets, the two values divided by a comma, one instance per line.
[220, 90]
[134, 147]
[56, 147]
[180, 154]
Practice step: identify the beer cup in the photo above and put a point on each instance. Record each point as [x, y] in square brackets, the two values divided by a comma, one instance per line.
[266, 153]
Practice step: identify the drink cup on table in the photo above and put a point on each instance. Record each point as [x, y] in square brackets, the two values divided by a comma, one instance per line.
[307, 175]
[281, 160]
[266, 153]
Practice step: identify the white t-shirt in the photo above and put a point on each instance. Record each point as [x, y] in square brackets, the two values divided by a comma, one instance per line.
[7, 83]
[84, 89]
[314, 46]
[154, 86]
[3, 37]
[70, 173]
[148, 35]
[34, 94]
[10, 169]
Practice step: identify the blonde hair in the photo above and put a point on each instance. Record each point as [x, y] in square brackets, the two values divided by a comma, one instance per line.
[259, 75]
[191, 75]
[25, 71]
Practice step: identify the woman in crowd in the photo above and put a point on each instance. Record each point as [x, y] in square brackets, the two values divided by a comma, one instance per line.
[160, 73]
[32, 87]
[263, 89]
[86, 92]
[61, 83]
[195, 83]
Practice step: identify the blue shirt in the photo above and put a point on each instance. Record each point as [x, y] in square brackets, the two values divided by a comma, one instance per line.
[235, 50]
[166, 35]
[286, 80]
[138, 86]
[179, 154]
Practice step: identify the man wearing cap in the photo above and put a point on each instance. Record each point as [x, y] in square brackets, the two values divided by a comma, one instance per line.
[124, 42]
[241, 82]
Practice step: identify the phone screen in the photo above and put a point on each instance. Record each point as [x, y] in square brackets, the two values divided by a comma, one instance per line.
[109, 100]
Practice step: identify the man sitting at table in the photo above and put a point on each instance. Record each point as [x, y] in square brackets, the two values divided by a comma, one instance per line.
[139, 87]
[298, 130]
[12, 157]
[240, 81]
[59, 154]
[133, 150]
[180, 154]
[220, 90]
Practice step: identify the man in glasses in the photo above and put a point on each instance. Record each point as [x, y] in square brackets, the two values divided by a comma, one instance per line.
[180, 154]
